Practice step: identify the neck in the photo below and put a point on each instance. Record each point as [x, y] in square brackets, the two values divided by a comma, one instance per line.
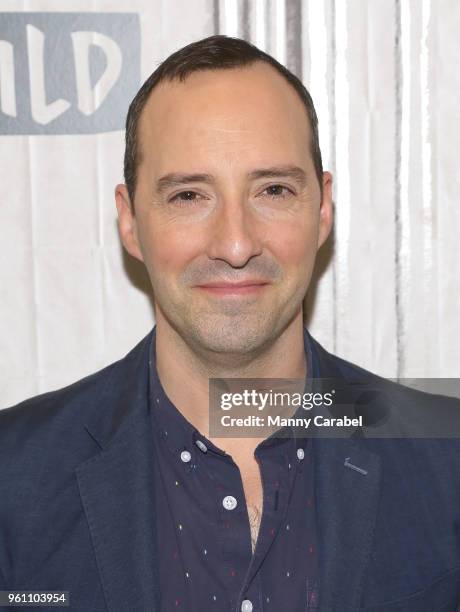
[184, 372]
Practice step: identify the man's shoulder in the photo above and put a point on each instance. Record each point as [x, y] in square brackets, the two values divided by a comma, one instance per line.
[406, 389]
[66, 406]
[415, 434]
[423, 412]
[44, 438]
[48, 428]
[46, 405]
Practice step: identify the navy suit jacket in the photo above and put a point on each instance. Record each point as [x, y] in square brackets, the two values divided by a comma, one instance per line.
[77, 505]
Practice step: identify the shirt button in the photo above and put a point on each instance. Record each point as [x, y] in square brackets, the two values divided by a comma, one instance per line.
[185, 456]
[246, 606]
[300, 453]
[201, 445]
[229, 503]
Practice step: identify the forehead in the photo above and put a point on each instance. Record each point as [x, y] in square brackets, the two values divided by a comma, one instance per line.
[224, 114]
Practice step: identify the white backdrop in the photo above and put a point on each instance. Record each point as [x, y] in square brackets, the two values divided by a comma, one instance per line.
[385, 80]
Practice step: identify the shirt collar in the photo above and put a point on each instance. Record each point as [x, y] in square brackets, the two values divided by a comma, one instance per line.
[180, 435]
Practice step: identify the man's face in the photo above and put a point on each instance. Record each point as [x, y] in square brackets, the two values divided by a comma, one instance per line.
[252, 215]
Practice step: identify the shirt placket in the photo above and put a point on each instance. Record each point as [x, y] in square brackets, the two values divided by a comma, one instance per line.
[278, 475]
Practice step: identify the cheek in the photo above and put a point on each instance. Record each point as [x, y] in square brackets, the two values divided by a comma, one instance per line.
[169, 249]
[294, 245]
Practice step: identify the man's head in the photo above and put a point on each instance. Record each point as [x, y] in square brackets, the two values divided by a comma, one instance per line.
[213, 53]
[224, 184]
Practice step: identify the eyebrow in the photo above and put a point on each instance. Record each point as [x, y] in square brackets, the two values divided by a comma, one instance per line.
[176, 179]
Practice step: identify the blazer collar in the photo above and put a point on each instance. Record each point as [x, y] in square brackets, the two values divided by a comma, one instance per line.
[117, 487]
[117, 491]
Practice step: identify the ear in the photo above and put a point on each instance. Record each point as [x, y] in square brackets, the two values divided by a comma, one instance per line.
[326, 214]
[127, 223]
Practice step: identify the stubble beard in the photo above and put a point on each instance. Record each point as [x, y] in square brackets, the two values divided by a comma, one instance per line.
[233, 328]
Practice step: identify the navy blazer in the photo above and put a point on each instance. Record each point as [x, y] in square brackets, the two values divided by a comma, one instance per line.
[76, 502]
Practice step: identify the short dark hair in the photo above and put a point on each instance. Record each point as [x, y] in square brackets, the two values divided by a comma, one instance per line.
[217, 52]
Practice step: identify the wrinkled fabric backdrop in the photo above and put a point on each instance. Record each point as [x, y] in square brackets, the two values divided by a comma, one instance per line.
[385, 79]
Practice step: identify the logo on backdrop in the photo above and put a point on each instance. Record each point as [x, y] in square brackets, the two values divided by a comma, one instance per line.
[67, 73]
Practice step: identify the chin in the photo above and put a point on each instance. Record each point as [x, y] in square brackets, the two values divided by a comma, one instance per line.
[224, 335]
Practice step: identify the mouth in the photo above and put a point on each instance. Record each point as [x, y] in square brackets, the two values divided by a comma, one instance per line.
[220, 288]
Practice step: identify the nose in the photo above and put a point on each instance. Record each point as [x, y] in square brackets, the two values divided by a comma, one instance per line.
[234, 233]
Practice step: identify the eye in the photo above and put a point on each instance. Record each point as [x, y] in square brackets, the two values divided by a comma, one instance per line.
[275, 192]
[184, 196]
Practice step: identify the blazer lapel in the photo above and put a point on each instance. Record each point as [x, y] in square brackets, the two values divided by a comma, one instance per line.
[117, 488]
[347, 488]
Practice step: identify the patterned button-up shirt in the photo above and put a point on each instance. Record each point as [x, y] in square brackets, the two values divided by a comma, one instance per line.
[204, 539]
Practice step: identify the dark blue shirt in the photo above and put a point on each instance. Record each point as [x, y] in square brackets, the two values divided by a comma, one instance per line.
[204, 539]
